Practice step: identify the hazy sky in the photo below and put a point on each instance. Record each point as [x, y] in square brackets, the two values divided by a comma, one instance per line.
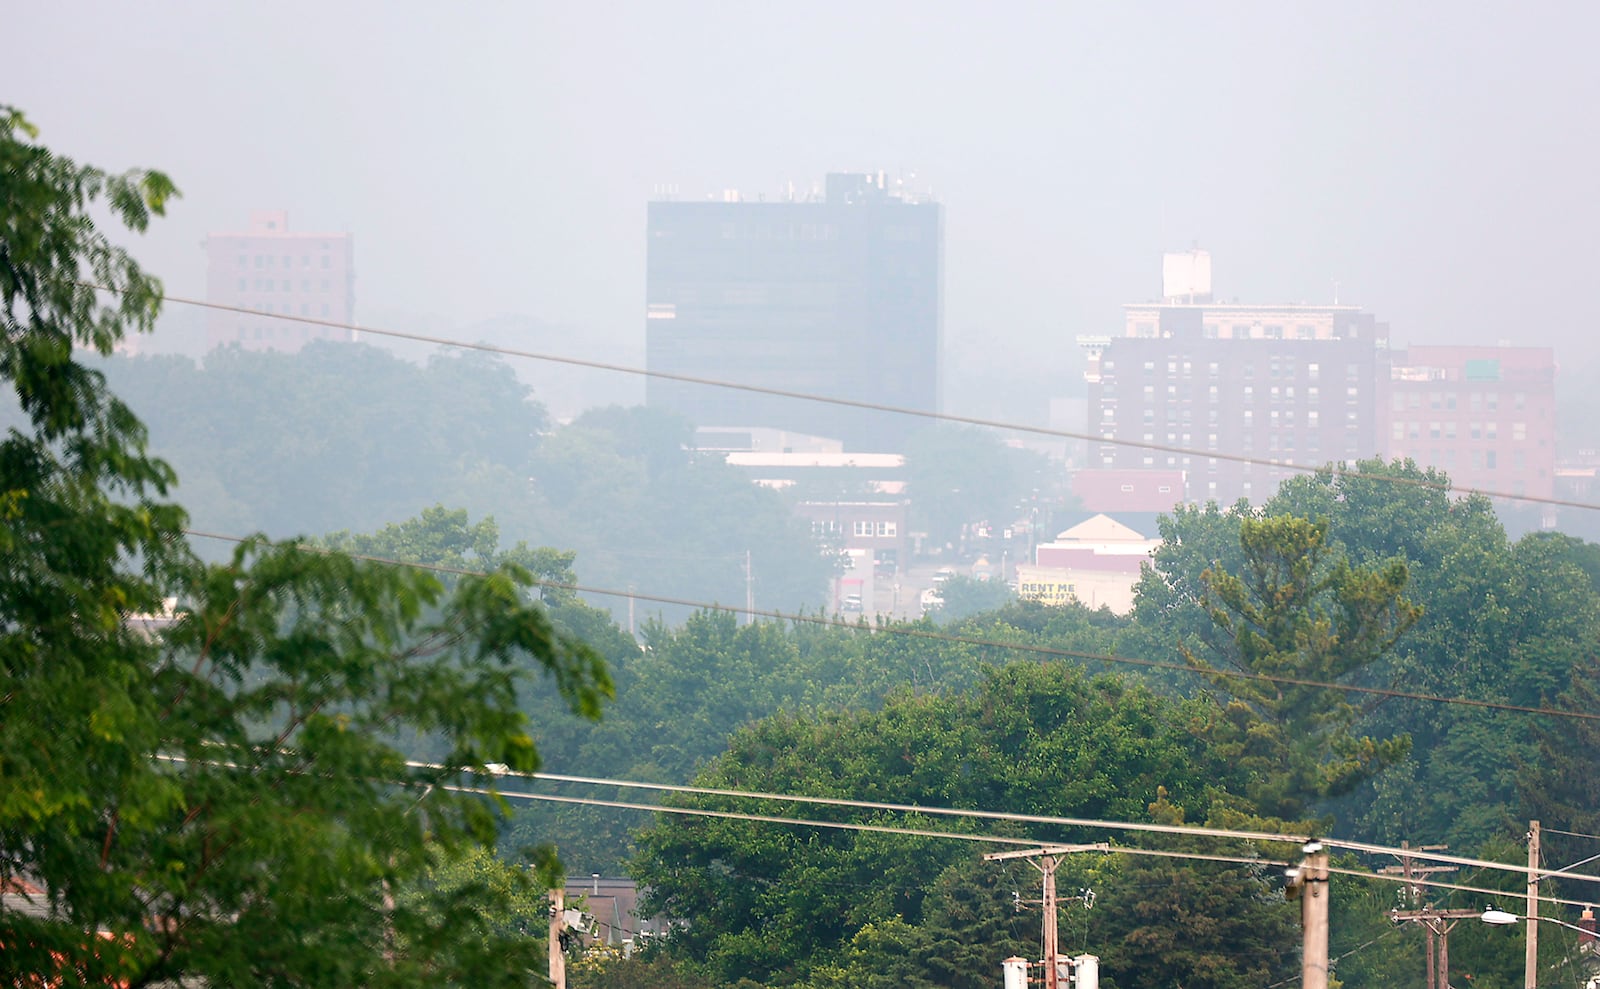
[1435, 160]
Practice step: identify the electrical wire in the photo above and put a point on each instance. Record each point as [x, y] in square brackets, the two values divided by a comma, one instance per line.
[998, 839]
[1173, 829]
[1572, 834]
[870, 406]
[909, 631]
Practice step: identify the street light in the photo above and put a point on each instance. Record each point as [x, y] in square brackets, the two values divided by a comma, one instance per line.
[1500, 918]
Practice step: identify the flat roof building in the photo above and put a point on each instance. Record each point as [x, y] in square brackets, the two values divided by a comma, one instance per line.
[1261, 385]
[269, 269]
[840, 296]
[1486, 416]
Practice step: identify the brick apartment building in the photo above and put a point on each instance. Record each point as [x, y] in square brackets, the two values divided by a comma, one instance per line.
[1484, 415]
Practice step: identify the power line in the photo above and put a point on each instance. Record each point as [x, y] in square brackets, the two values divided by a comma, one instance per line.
[1572, 834]
[997, 839]
[1178, 829]
[871, 406]
[928, 634]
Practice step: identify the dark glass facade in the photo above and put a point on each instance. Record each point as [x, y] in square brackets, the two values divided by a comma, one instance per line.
[840, 297]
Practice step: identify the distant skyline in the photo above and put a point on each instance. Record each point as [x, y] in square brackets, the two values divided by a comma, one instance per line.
[1434, 162]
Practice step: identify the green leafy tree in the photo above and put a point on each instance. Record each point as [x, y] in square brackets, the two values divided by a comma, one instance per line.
[218, 800]
[965, 597]
[959, 475]
[783, 905]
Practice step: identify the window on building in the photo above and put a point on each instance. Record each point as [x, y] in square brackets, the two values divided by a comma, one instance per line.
[327, 261]
[1399, 431]
[1313, 369]
[886, 529]
[1491, 430]
[1519, 431]
[861, 529]
[1518, 401]
[1449, 430]
[1475, 430]
[1433, 430]
[1491, 401]
[1519, 459]
[243, 283]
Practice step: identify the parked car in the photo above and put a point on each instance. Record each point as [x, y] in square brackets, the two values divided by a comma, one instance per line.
[852, 602]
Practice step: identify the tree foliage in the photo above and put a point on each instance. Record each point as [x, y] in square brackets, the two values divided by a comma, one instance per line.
[1293, 614]
[212, 793]
[786, 905]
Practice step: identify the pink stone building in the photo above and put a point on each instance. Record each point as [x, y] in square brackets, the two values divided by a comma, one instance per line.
[269, 269]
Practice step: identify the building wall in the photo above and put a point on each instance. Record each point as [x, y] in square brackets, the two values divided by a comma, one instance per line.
[840, 297]
[269, 269]
[878, 527]
[1282, 384]
[1128, 489]
[1483, 415]
[1064, 585]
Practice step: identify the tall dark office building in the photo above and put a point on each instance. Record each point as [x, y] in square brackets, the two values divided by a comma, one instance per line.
[838, 296]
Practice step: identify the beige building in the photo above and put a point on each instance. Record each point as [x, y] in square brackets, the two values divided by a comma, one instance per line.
[1095, 563]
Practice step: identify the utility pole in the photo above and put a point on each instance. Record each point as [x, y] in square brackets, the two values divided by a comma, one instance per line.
[558, 924]
[1530, 965]
[1411, 871]
[749, 591]
[1310, 884]
[1439, 923]
[1048, 860]
[632, 628]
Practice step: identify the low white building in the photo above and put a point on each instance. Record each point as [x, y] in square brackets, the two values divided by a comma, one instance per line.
[1095, 563]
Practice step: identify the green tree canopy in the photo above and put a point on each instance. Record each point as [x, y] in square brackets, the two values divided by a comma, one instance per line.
[1294, 614]
[786, 904]
[210, 793]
